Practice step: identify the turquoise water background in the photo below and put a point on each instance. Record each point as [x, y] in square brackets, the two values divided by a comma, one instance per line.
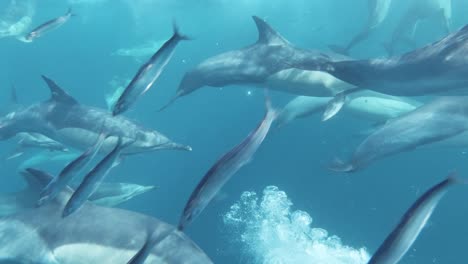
[360, 208]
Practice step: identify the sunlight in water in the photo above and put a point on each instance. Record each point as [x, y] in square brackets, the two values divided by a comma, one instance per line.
[271, 233]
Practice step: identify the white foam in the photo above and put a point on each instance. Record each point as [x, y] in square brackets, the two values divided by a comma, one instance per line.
[270, 232]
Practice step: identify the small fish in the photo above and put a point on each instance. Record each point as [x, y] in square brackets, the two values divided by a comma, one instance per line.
[48, 26]
[225, 168]
[93, 179]
[404, 235]
[69, 172]
[148, 73]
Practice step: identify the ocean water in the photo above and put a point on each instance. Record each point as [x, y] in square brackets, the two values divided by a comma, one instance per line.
[285, 206]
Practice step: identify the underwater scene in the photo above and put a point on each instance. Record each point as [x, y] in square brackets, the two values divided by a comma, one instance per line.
[248, 131]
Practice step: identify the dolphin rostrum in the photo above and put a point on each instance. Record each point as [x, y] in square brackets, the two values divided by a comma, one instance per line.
[48, 26]
[440, 120]
[225, 168]
[411, 224]
[78, 126]
[148, 73]
[266, 63]
[94, 234]
[377, 12]
[108, 194]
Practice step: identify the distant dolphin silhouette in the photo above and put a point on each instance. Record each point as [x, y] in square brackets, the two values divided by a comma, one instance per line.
[377, 12]
[94, 234]
[445, 118]
[418, 11]
[266, 63]
[78, 126]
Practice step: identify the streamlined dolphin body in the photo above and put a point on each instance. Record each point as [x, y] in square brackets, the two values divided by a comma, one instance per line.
[418, 11]
[442, 119]
[78, 126]
[48, 27]
[441, 67]
[370, 106]
[94, 234]
[264, 64]
[378, 10]
[108, 194]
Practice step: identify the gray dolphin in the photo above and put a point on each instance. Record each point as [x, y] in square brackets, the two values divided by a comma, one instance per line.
[63, 119]
[94, 234]
[441, 67]
[377, 12]
[442, 119]
[108, 194]
[368, 105]
[266, 64]
[400, 240]
[35, 141]
[418, 11]
[48, 26]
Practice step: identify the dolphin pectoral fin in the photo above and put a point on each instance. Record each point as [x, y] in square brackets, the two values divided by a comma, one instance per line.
[338, 165]
[339, 49]
[334, 106]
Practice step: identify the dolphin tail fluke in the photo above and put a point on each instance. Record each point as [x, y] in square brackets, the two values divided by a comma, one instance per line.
[338, 165]
[339, 49]
[177, 33]
[70, 12]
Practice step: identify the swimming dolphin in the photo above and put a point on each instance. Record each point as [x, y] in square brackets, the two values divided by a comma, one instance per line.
[441, 67]
[108, 194]
[93, 179]
[48, 26]
[148, 73]
[139, 52]
[377, 12]
[35, 141]
[442, 119]
[94, 234]
[418, 11]
[228, 165]
[370, 106]
[411, 224]
[266, 63]
[78, 126]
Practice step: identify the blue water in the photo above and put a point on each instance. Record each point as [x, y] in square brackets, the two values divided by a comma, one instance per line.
[360, 208]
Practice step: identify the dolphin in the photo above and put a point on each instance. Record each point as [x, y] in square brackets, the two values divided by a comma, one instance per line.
[265, 64]
[370, 106]
[377, 12]
[442, 119]
[94, 234]
[35, 141]
[228, 165]
[440, 67]
[418, 11]
[108, 194]
[46, 158]
[78, 126]
[400, 240]
[141, 51]
[148, 73]
[48, 26]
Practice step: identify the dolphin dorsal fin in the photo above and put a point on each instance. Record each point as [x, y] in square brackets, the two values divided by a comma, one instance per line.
[57, 93]
[267, 35]
[36, 179]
